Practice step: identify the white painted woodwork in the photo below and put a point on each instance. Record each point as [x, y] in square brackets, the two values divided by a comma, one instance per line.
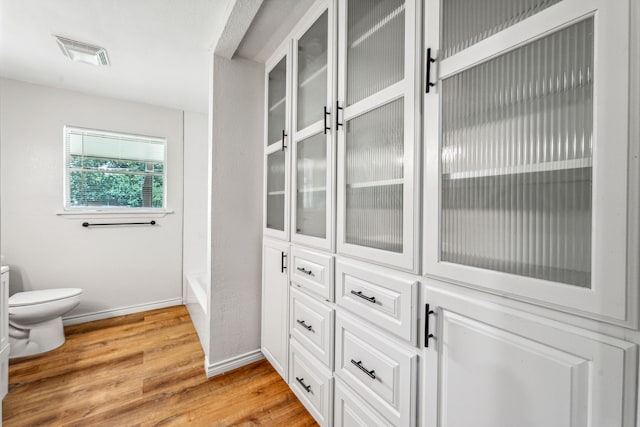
[312, 383]
[393, 364]
[407, 89]
[381, 296]
[491, 366]
[4, 336]
[313, 271]
[4, 305]
[275, 304]
[351, 411]
[298, 135]
[283, 51]
[312, 325]
[613, 296]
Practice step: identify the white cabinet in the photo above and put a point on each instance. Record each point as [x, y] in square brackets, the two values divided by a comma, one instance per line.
[378, 142]
[313, 154]
[275, 304]
[490, 366]
[381, 370]
[312, 325]
[276, 152]
[4, 336]
[527, 132]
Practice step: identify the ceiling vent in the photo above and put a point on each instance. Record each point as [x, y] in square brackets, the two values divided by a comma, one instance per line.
[83, 52]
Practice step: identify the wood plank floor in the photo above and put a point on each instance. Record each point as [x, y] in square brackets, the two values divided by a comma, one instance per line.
[144, 369]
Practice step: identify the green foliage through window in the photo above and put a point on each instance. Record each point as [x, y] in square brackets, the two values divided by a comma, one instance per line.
[99, 181]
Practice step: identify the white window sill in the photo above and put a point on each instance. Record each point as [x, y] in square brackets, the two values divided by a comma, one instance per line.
[114, 213]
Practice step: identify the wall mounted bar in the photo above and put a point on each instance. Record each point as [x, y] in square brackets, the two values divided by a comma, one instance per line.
[86, 224]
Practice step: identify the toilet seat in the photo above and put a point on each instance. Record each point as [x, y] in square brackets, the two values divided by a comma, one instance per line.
[22, 299]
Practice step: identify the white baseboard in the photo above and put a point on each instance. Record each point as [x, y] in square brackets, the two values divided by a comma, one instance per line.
[227, 365]
[106, 314]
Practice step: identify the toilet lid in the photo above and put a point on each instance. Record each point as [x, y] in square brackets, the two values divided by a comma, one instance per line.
[38, 297]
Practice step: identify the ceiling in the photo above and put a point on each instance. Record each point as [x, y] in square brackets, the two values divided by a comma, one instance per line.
[159, 49]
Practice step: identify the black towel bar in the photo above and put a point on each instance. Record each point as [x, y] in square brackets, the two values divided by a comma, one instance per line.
[86, 224]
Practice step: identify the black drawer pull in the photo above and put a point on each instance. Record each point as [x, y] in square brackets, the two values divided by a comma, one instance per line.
[304, 325]
[371, 373]
[326, 113]
[304, 386]
[305, 271]
[359, 294]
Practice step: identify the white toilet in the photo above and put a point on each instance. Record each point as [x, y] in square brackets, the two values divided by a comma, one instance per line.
[35, 319]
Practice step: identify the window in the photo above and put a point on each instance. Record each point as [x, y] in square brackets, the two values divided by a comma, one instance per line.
[113, 170]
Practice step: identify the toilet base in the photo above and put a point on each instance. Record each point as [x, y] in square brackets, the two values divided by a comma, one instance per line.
[29, 340]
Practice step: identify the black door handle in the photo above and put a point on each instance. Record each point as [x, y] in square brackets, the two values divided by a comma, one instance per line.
[430, 60]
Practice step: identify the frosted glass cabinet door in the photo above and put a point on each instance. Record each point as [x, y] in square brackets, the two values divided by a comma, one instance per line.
[313, 153]
[277, 142]
[526, 137]
[377, 165]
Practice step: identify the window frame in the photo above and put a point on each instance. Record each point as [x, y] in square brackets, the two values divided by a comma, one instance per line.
[68, 209]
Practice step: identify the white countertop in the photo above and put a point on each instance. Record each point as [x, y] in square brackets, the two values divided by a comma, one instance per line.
[5, 268]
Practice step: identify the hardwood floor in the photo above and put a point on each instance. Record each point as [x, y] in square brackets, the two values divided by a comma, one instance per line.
[143, 369]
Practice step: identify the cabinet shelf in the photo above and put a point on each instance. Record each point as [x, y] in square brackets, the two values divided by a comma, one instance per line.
[313, 76]
[277, 104]
[384, 21]
[276, 193]
[380, 183]
[312, 190]
[520, 169]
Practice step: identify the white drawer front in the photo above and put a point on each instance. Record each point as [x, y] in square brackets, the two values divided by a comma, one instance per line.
[313, 271]
[380, 369]
[385, 298]
[312, 324]
[351, 411]
[312, 383]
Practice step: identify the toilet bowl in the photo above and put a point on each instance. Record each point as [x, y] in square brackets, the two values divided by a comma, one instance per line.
[35, 319]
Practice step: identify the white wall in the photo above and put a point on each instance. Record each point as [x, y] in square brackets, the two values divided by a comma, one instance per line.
[236, 208]
[196, 153]
[127, 268]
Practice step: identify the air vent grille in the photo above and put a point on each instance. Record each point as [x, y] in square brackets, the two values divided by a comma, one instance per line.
[83, 52]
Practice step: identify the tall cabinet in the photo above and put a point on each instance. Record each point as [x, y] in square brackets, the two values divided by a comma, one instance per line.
[346, 152]
[527, 196]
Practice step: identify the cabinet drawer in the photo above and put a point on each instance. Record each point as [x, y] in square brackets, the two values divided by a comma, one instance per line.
[312, 271]
[312, 383]
[312, 325]
[351, 411]
[385, 298]
[379, 368]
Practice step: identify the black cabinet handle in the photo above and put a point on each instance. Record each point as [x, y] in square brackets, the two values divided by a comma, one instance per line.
[305, 271]
[283, 136]
[427, 334]
[283, 263]
[304, 325]
[326, 113]
[361, 295]
[430, 60]
[338, 108]
[372, 373]
[304, 386]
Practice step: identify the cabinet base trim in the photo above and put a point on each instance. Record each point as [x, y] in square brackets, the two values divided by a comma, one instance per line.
[232, 363]
[122, 311]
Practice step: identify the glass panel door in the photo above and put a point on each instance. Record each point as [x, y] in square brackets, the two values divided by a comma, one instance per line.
[526, 152]
[312, 73]
[277, 102]
[516, 160]
[377, 213]
[311, 187]
[375, 46]
[374, 178]
[276, 176]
